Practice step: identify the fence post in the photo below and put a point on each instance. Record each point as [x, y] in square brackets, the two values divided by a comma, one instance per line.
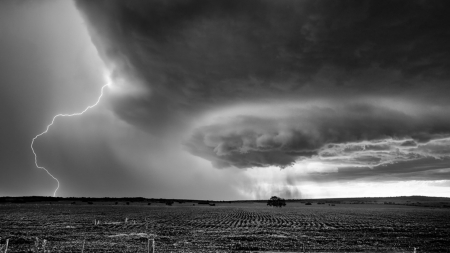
[82, 249]
[7, 242]
[36, 245]
[44, 242]
[153, 246]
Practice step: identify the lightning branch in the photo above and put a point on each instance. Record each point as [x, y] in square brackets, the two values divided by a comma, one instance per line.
[48, 127]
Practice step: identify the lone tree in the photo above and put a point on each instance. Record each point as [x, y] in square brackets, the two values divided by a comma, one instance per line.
[276, 201]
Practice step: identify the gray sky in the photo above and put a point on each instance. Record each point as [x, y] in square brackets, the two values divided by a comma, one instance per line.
[226, 99]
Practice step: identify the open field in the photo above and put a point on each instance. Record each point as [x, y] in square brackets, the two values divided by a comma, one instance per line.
[225, 227]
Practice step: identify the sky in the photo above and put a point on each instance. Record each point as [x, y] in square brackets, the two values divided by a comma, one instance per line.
[225, 99]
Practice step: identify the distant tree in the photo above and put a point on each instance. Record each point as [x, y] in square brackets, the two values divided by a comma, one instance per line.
[276, 201]
[169, 202]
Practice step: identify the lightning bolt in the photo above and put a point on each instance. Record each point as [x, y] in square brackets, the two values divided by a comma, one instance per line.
[48, 127]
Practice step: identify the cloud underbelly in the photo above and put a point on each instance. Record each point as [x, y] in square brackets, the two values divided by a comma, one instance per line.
[358, 134]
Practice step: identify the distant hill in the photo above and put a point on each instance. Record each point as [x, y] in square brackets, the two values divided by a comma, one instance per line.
[400, 200]
[423, 201]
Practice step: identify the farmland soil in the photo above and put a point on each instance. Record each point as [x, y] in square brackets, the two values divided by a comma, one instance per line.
[246, 227]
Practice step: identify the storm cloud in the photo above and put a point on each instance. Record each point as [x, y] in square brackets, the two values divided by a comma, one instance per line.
[358, 134]
[269, 83]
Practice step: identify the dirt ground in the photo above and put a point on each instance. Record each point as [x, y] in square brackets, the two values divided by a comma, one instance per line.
[245, 227]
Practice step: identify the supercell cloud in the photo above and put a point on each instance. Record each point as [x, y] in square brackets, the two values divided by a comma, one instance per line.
[358, 134]
[245, 84]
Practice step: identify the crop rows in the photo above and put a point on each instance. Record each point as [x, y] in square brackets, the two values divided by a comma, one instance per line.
[245, 227]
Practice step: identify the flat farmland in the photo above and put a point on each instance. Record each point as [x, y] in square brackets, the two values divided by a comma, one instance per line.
[235, 227]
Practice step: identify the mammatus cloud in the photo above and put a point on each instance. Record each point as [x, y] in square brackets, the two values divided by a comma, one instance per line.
[325, 67]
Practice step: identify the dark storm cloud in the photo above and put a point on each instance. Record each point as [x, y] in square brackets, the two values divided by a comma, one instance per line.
[189, 57]
[336, 133]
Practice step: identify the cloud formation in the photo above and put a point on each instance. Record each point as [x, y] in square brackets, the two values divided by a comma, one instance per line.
[359, 134]
[360, 82]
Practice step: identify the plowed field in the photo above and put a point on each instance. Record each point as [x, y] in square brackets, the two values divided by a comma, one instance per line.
[225, 228]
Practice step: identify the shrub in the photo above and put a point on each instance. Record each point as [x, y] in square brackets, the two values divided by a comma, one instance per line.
[276, 201]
